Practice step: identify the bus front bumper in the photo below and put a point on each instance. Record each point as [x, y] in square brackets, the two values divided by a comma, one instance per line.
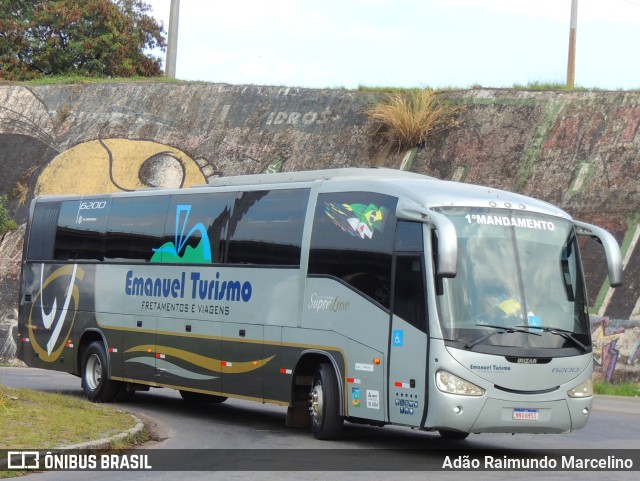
[540, 417]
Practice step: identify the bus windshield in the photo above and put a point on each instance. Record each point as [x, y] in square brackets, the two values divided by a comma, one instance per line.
[519, 284]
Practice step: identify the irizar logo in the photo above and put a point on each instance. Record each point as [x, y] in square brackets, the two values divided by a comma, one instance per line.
[527, 360]
[47, 320]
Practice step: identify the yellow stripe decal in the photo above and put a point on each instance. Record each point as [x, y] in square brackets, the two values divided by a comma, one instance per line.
[208, 363]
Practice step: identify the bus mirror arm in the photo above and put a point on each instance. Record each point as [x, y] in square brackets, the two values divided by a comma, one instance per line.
[611, 249]
[447, 258]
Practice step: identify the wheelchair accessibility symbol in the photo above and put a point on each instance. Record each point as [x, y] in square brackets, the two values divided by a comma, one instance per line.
[398, 338]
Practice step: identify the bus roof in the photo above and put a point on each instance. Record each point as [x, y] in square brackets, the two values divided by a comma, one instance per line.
[348, 173]
[428, 192]
[425, 190]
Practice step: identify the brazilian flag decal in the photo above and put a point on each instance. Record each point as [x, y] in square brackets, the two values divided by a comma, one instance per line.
[358, 220]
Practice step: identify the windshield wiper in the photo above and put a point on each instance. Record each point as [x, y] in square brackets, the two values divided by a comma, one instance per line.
[501, 330]
[568, 335]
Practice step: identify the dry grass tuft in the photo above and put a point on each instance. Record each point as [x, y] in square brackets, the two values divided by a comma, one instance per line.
[407, 119]
[20, 192]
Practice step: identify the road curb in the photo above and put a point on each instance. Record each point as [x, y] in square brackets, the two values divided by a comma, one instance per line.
[105, 443]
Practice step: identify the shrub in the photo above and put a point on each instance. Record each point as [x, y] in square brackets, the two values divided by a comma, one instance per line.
[407, 119]
[6, 222]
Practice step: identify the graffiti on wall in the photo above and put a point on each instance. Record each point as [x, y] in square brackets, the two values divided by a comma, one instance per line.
[112, 165]
[616, 349]
[95, 166]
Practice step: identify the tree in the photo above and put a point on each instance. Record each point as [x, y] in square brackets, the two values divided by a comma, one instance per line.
[97, 38]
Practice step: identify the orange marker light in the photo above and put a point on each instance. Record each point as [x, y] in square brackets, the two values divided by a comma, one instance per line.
[377, 360]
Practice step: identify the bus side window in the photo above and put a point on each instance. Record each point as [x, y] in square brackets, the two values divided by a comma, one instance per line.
[409, 288]
[408, 296]
[135, 227]
[81, 230]
[42, 231]
[266, 227]
[352, 240]
[196, 223]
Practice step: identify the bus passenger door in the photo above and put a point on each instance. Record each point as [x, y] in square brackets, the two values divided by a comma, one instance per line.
[408, 342]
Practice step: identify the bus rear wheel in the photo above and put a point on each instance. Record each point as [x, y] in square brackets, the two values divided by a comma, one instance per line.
[95, 371]
[324, 403]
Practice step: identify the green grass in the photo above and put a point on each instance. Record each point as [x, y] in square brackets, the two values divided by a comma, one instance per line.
[28, 423]
[77, 79]
[388, 90]
[548, 86]
[623, 389]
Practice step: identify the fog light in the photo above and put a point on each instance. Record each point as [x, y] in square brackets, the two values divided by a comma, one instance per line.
[457, 410]
[585, 411]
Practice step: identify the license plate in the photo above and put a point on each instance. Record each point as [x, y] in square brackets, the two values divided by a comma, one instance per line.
[525, 414]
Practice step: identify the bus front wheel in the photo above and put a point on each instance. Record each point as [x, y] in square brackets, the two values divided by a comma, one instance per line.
[95, 371]
[324, 403]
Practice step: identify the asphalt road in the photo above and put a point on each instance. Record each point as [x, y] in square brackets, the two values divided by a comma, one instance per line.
[244, 428]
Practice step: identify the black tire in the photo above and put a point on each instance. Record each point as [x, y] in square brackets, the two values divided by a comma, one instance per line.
[453, 435]
[324, 403]
[201, 398]
[95, 369]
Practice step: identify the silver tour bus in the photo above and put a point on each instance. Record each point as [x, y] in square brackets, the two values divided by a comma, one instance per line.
[369, 295]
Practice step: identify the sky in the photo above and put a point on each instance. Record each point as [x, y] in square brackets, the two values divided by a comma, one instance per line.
[405, 43]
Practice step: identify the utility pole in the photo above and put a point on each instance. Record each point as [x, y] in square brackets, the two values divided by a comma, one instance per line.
[172, 40]
[571, 64]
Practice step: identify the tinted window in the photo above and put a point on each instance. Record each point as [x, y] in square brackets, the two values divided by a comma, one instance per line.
[409, 237]
[266, 227]
[42, 231]
[135, 227]
[196, 228]
[353, 238]
[81, 229]
[409, 299]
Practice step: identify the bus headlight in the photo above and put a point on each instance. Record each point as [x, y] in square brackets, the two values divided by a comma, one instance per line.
[583, 390]
[451, 384]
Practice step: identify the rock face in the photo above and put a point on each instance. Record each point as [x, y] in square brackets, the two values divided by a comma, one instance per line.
[578, 150]
[10, 259]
